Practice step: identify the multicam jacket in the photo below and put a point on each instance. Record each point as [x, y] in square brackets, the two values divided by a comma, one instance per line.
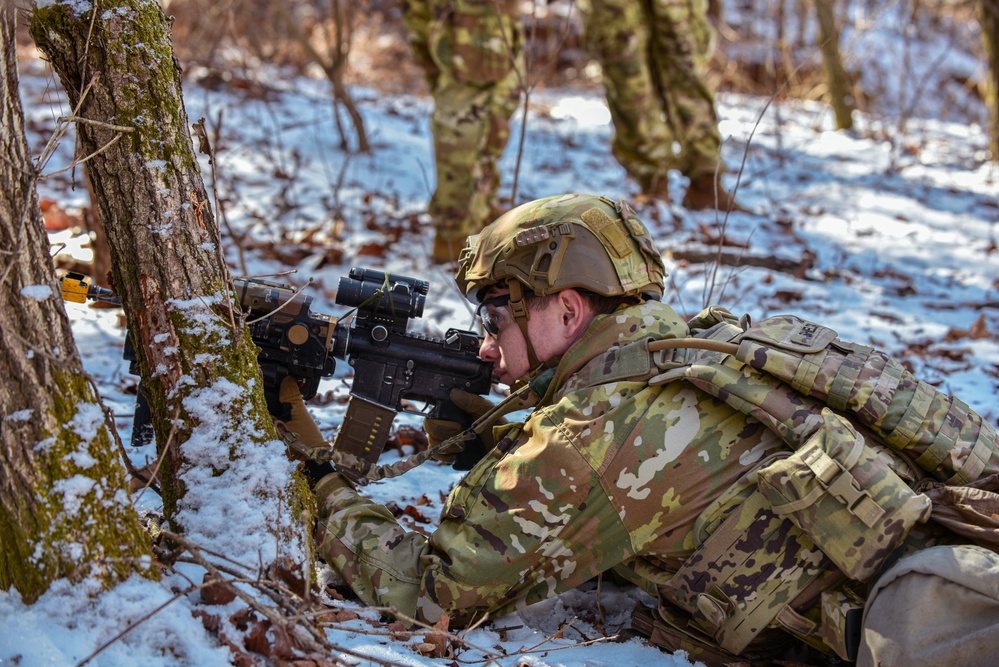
[607, 471]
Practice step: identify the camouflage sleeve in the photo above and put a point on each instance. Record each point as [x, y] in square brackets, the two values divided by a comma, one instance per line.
[530, 521]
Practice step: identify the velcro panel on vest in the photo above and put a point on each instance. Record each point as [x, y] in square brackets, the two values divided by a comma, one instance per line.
[628, 362]
[845, 497]
[744, 575]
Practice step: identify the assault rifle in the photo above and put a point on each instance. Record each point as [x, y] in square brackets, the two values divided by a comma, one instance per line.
[392, 367]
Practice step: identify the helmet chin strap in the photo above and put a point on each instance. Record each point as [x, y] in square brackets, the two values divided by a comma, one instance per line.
[518, 308]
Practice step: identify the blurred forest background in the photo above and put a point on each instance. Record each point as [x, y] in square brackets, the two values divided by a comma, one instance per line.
[764, 47]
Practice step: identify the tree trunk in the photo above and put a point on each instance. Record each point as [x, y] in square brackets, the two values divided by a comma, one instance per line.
[836, 77]
[98, 239]
[989, 18]
[197, 361]
[64, 510]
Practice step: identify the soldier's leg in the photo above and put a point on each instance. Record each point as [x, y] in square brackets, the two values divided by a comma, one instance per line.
[617, 35]
[477, 51]
[681, 45]
[461, 201]
[417, 18]
[939, 606]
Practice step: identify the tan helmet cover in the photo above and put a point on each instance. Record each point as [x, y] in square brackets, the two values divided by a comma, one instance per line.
[567, 241]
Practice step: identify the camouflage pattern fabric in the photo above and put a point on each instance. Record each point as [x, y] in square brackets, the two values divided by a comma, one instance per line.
[653, 54]
[943, 435]
[471, 53]
[607, 469]
[573, 240]
[620, 469]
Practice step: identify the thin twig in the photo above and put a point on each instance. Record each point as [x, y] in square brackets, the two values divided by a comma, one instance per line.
[77, 162]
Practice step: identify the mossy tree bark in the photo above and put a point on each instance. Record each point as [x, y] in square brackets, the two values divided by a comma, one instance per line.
[836, 77]
[989, 18]
[64, 508]
[117, 66]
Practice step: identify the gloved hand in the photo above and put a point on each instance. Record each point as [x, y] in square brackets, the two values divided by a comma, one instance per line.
[301, 434]
[439, 430]
[301, 422]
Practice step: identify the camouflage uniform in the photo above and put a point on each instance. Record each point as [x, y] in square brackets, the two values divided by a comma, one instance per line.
[653, 54]
[638, 463]
[470, 54]
[603, 472]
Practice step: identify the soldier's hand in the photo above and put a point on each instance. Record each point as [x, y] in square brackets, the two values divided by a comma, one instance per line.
[301, 434]
[463, 454]
[301, 422]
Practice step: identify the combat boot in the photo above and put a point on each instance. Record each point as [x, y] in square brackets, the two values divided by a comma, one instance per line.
[703, 194]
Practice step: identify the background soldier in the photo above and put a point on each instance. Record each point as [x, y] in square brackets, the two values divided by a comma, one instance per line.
[470, 51]
[760, 542]
[653, 54]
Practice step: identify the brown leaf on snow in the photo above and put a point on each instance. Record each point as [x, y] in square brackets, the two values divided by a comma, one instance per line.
[978, 330]
[210, 621]
[282, 646]
[241, 619]
[415, 514]
[399, 631]
[256, 640]
[341, 616]
[215, 592]
[56, 219]
[435, 642]
[372, 250]
[285, 571]
[788, 296]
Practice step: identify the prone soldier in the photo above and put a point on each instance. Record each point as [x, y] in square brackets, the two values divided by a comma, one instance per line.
[764, 522]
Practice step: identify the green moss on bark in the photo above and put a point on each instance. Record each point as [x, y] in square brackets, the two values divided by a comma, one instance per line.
[129, 41]
[81, 523]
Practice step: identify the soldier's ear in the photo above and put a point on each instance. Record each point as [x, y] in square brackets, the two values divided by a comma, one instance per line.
[574, 313]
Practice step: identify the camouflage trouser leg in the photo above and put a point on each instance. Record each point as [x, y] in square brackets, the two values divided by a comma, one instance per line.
[618, 34]
[471, 129]
[417, 18]
[470, 53]
[681, 45]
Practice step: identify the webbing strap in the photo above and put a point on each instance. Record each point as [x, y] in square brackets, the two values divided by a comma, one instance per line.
[846, 378]
[979, 457]
[806, 372]
[885, 387]
[944, 441]
[903, 435]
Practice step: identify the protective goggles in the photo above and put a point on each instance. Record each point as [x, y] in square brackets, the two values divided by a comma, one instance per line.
[487, 317]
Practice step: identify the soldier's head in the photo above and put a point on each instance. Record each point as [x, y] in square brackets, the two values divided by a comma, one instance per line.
[550, 266]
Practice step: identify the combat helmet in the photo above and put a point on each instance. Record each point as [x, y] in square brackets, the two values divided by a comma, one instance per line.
[572, 241]
[567, 241]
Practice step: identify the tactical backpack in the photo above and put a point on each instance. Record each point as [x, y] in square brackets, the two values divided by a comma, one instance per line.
[856, 421]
